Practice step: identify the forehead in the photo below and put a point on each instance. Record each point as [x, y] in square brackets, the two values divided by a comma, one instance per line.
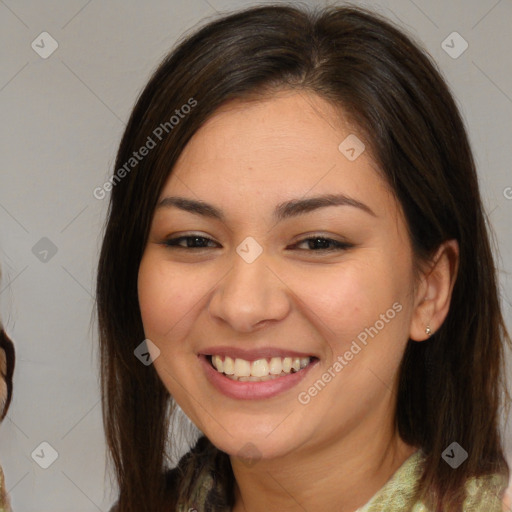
[287, 145]
[285, 126]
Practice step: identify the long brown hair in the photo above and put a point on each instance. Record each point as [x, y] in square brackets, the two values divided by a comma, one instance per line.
[450, 388]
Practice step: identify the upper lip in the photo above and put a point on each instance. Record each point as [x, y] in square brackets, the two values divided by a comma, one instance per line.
[253, 354]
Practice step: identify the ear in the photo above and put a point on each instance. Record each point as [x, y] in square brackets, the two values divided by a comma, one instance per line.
[434, 292]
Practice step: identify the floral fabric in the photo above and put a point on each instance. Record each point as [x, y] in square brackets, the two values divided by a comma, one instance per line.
[397, 495]
[483, 494]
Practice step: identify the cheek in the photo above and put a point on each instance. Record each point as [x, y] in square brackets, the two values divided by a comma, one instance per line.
[349, 295]
[162, 300]
[362, 302]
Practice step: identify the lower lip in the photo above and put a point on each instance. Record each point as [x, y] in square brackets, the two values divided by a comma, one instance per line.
[252, 390]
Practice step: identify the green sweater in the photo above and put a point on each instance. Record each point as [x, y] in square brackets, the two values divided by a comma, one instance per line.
[483, 494]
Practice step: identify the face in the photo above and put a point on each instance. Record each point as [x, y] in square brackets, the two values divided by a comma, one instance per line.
[259, 276]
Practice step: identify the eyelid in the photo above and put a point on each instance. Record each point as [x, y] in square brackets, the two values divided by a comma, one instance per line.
[338, 245]
[178, 237]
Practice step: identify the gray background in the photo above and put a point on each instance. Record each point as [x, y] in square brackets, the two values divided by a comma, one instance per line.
[62, 118]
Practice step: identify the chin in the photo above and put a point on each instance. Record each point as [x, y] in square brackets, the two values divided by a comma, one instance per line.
[254, 446]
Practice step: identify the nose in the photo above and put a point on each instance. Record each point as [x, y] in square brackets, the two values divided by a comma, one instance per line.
[250, 296]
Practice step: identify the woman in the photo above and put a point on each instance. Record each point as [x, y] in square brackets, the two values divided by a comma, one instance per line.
[296, 242]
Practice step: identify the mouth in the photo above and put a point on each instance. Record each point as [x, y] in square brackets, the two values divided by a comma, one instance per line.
[258, 370]
[255, 374]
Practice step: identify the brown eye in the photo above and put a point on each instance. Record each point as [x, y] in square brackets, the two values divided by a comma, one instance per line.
[323, 244]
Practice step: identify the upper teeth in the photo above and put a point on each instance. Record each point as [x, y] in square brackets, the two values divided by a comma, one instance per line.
[259, 368]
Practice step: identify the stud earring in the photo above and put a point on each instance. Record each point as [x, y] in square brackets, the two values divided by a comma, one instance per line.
[428, 331]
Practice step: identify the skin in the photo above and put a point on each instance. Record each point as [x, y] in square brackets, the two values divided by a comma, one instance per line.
[245, 160]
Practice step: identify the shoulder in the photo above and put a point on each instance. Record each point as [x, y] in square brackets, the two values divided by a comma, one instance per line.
[485, 493]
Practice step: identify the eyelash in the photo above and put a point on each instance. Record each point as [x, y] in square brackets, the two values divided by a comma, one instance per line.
[172, 243]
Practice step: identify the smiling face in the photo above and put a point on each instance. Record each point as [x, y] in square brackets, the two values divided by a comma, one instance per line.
[257, 282]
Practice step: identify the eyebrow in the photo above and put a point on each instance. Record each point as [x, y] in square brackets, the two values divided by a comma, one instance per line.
[282, 211]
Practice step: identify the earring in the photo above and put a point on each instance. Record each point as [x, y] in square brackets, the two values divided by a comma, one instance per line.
[428, 331]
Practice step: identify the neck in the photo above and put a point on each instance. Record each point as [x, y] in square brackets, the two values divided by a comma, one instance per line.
[344, 475]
